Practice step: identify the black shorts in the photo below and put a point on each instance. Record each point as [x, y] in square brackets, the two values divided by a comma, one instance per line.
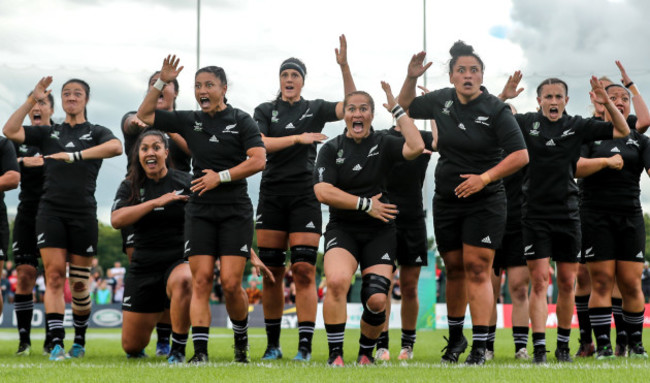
[218, 229]
[24, 240]
[289, 213]
[480, 223]
[511, 252]
[608, 237]
[127, 238]
[145, 290]
[559, 240]
[77, 235]
[412, 245]
[369, 247]
[4, 236]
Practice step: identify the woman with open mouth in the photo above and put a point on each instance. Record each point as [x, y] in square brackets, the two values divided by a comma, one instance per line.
[66, 222]
[152, 200]
[613, 227]
[226, 148]
[25, 250]
[469, 205]
[350, 176]
[288, 213]
[550, 214]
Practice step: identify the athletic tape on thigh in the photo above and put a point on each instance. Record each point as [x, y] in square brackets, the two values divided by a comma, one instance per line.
[80, 299]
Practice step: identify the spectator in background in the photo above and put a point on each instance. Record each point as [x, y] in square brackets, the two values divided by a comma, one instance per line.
[254, 293]
[103, 293]
[217, 291]
[40, 287]
[118, 271]
[96, 270]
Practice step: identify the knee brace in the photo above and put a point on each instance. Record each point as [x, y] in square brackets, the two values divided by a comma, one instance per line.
[80, 297]
[26, 259]
[373, 284]
[304, 254]
[272, 257]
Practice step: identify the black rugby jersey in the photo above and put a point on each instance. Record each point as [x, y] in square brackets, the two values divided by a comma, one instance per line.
[359, 169]
[31, 178]
[69, 188]
[471, 137]
[218, 143]
[7, 163]
[550, 190]
[616, 191]
[515, 198]
[180, 160]
[405, 181]
[162, 228]
[289, 171]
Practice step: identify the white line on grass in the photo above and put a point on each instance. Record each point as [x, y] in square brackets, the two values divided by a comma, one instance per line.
[117, 335]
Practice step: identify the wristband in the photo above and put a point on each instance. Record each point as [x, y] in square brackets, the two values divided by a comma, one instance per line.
[398, 112]
[73, 157]
[485, 177]
[629, 84]
[159, 84]
[77, 156]
[364, 204]
[224, 175]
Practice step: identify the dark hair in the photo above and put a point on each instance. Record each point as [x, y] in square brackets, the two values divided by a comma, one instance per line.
[174, 81]
[136, 174]
[83, 85]
[460, 49]
[50, 98]
[362, 93]
[617, 86]
[218, 72]
[551, 81]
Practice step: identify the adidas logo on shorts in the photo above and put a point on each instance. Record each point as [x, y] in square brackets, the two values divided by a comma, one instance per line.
[386, 257]
[244, 249]
[310, 225]
[90, 249]
[640, 255]
[418, 260]
[357, 168]
[486, 240]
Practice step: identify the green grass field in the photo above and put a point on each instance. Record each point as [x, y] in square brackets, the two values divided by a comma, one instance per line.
[105, 362]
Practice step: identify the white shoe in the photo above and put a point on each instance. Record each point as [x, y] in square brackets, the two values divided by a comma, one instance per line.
[406, 353]
[522, 354]
[382, 354]
[489, 355]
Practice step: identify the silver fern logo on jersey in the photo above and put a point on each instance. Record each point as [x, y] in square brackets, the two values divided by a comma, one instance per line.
[340, 158]
[448, 105]
[274, 116]
[535, 130]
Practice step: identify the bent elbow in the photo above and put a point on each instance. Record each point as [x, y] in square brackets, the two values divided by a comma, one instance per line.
[14, 180]
[320, 193]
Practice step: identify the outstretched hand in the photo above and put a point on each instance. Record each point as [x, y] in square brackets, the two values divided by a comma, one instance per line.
[390, 99]
[170, 197]
[416, 66]
[625, 79]
[41, 92]
[382, 211]
[170, 69]
[309, 138]
[342, 51]
[423, 89]
[598, 93]
[510, 89]
[257, 263]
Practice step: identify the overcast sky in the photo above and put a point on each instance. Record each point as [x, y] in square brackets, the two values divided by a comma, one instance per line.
[116, 45]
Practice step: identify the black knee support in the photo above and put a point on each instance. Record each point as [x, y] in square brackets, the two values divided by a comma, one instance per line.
[304, 254]
[373, 284]
[272, 257]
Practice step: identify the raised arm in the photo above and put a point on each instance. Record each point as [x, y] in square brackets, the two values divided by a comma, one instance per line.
[640, 107]
[599, 95]
[413, 145]
[13, 128]
[510, 90]
[416, 69]
[169, 72]
[348, 81]
[589, 166]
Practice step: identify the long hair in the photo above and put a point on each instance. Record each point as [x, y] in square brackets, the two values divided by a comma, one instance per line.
[136, 175]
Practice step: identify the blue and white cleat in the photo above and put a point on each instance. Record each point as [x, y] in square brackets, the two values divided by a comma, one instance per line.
[303, 355]
[77, 351]
[57, 354]
[162, 349]
[272, 353]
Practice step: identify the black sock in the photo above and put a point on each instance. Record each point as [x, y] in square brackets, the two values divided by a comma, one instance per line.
[80, 323]
[272, 331]
[335, 333]
[55, 322]
[455, 328]
[382, 341]
[617, 310]
[563, 337]
[492, 335]
[179, 341]
[366, 345]
[48, 335]
[520, 334]
[24, 308]
[305, 334]
[634, 326]
[240, 329]
[601, 322]
[408, 338]
[200, 337]
[479, 336]
[584, 321]
[163, 331]
[539, 340]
